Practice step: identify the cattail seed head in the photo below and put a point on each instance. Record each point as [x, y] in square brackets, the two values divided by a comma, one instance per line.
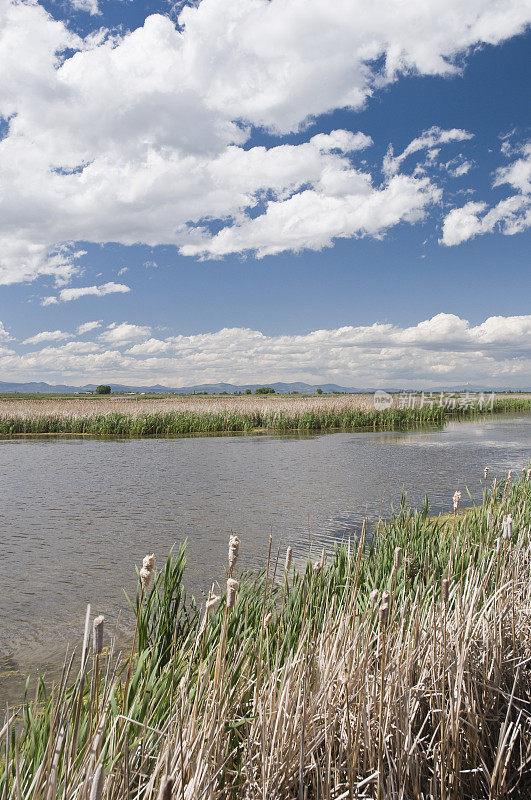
[166, 788]
[457, 498]
[146, 573]
[234, 549]
[97, 635]
[507, 527]
[267, 619]
[383, 613]
[232, 590]
[148, 562]
[289, 558]
[323, 558]
[398, 558]
[486, 473]
[373, 597]
[510, 475]
[445, 590]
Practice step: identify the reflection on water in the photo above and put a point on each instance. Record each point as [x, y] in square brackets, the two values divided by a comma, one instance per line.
[77, 514]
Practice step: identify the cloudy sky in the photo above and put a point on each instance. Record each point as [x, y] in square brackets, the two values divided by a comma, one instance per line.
[260, 190]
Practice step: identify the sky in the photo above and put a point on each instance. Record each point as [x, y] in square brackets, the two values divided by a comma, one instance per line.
[252, 191]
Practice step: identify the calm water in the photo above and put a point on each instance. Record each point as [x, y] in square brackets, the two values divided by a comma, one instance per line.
[78, 514]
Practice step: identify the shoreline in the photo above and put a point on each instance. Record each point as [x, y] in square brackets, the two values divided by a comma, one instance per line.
[343, 660]
[168, 423]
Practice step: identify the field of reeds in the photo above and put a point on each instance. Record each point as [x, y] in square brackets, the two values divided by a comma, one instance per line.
[394, 668]
[138, 416]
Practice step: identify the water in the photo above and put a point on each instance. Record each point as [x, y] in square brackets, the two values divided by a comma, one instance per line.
[78, 514]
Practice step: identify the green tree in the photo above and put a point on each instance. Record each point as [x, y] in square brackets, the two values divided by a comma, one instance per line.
[103, 389]
[248, 391]
[265, 390]
[319, 391]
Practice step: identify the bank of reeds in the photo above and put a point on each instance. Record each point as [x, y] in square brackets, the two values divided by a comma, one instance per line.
[394, 669]
[231, 415]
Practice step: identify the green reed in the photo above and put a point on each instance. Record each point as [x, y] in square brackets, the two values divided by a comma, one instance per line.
[304, 686]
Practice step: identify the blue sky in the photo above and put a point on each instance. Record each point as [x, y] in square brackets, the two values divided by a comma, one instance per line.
[177, 164]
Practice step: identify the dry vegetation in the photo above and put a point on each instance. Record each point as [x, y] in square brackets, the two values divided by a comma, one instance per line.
[400, 669]
[141, 416]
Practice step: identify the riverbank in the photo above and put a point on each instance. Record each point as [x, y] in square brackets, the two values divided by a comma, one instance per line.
[400, 663]
[132, 417]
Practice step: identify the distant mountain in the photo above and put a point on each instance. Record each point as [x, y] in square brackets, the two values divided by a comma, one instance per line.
[230, 388]
[209, 388]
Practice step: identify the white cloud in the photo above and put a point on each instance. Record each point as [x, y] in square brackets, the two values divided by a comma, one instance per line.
[432, 138]
[5, 336]
[509, 216]
[444, 349]
[138, 137]
[91, 6]
[85, 327]
[65, 295]
[458, 166]
[124, 333]
[346, 206]
[46, 336]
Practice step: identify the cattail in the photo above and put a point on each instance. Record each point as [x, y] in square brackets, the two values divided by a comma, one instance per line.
[289, 558]
[373, 597]
[268, 619]
[398, 558]
[507, 527]
[383, 613]
[166, 788]
[97, 783]
[234, 549]
[146, 573]
[510, 475]
[232, 589]
[317, 567]
[97, 635]
[457, 498]
[445, 590]
[528, 476]
[486, 473]
[323, 558]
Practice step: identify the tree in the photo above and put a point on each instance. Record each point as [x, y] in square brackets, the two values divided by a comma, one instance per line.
[248, 391]
[319, 391]
[103, 389]
[265, 390]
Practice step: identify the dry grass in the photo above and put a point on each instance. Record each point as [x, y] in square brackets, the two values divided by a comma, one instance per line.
[355, 678]
[141, 416]
[244, 404]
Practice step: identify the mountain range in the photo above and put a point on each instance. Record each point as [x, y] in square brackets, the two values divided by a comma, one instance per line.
[217, 388]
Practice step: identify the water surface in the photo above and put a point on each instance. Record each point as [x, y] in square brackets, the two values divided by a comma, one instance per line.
[77, 514]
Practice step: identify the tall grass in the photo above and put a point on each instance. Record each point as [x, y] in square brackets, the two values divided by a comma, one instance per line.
[393, 669]
[124, 417]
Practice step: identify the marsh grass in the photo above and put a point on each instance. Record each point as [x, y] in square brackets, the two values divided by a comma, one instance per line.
[119, 416]
[375, 673]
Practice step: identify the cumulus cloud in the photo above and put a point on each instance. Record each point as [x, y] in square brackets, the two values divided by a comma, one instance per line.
[509, 216]
[46, 336]
[5, 336]
[91, 6]
[444, 349]
[85, 327]
[124, 333]
[138, 137]
[65, 295]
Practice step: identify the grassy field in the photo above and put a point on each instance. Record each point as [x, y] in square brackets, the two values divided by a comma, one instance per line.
[141, 416]
[396, 669]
